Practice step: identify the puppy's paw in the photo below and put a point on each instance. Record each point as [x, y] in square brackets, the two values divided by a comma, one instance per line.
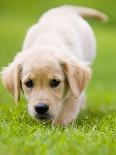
[61, 122]
[57, 123]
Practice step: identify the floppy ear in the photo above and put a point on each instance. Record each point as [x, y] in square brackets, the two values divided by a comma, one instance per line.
[11, 77]
[78, 75]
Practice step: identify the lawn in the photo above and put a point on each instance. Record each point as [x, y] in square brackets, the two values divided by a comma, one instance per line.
[94, 132]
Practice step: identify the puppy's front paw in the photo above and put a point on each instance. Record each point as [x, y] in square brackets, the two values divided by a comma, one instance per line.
[57, 123]
[61, 122]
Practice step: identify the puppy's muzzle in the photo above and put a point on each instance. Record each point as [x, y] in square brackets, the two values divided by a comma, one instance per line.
[41, 110]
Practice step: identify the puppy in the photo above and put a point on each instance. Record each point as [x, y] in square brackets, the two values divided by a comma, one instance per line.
[53, 67]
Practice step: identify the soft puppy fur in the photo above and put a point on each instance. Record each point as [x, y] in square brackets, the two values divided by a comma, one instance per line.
[53, 67]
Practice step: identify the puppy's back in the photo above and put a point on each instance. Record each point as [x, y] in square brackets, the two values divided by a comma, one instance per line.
[64, 27]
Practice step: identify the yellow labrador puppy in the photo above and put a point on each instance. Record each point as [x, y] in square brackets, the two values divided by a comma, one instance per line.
[53, 67]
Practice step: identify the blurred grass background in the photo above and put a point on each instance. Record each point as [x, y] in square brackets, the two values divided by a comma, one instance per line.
[95, 131]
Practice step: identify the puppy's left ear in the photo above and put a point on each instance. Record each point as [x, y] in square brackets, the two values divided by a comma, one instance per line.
[78, 75]
[11, 78]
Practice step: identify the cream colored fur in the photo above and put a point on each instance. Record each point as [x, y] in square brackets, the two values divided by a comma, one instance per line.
[61, 46]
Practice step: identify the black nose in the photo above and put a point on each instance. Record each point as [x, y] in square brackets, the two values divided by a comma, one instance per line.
[41, 108]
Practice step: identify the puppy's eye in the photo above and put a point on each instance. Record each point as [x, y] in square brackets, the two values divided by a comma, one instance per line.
[29, 83]
[54, 83]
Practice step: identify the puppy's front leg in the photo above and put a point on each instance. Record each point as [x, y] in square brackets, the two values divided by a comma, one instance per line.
[69, 111]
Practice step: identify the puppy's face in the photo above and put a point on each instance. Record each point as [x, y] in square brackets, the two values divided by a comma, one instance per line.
[43, 84]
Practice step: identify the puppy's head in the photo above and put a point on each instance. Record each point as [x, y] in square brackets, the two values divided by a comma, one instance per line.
[45, 82]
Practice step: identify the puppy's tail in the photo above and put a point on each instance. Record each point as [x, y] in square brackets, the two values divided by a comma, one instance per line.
[89, 12]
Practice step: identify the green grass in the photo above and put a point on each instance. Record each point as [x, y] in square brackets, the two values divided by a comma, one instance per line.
[94, 132]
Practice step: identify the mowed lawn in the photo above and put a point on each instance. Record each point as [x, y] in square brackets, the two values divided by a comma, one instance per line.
[94, 132]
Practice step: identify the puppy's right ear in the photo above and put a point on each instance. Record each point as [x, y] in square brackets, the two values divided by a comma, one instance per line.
[78, 75]
[11, 78]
